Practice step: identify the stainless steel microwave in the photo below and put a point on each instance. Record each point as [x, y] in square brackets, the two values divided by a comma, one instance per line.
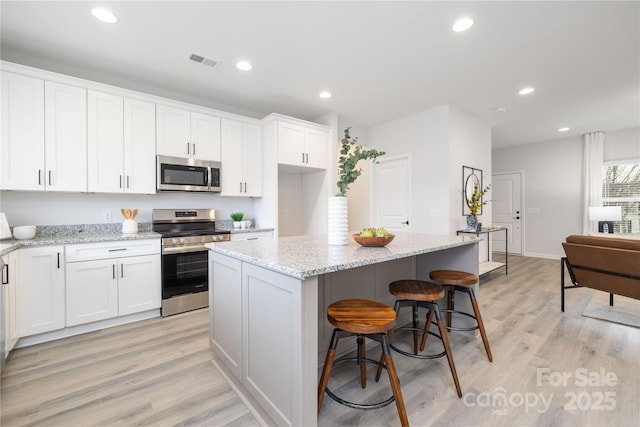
[180, 174]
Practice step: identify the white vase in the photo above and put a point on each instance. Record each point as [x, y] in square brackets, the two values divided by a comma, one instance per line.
[338, 223]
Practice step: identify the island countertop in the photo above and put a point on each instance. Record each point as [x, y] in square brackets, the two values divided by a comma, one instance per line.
[306, 256]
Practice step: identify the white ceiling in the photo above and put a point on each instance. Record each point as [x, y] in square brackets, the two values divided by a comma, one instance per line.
[381, 60]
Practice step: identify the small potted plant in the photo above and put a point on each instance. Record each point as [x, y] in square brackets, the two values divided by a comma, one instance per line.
[237, 217]
[475, 203]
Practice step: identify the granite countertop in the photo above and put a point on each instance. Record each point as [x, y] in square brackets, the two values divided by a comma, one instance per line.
[83, 233]
[306, 256]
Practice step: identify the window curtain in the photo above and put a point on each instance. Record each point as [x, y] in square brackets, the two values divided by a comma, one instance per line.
[592, 176]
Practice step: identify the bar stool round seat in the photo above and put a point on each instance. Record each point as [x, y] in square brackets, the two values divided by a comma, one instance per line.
[364, 319]
[416, 294]
[460, 281]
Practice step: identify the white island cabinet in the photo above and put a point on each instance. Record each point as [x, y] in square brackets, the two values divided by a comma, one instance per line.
[268, 301]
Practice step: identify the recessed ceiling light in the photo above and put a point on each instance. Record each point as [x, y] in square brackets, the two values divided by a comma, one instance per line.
[526, 91]
[325, 94]
[501, 109]
[104, 15]
[563, 129]
[462, 24]
[244, 66]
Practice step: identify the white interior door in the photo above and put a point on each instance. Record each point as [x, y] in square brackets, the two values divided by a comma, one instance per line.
[506, 189]
[391, 193]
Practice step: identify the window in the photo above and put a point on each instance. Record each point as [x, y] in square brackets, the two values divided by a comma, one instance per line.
[621, 187]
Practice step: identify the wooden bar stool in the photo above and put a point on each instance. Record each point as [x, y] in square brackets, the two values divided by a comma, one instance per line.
[415, 294]
[452, 281]
[362, 318]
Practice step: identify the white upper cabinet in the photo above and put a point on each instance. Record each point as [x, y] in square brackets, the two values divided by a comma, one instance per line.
[182, 133]
[121, 149]
[241, 159]
[315, 142]
[205, 137]
[303, 146]
[22, 144]
[44, 135]
[139, 146]
[106, 142]
[65, 136]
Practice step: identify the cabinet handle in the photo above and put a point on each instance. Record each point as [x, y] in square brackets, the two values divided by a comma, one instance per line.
[188, 148]
[39, 176]
[127, 181]
[5, 274]
[241, 187]
[245, 187]
[117, 250]
[307, 155]
[49, 177]
[120, 180]
[113, 270]
[58, 260]
[302, 157]
[121, 270]
[194, 149]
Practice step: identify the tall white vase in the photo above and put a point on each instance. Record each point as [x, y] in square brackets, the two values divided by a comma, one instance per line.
[338, 225]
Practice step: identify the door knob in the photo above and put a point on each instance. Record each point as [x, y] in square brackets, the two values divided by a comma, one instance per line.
[516, 217]
[405, 222]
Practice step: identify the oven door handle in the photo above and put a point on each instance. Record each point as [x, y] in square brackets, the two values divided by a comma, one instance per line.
[184, 249]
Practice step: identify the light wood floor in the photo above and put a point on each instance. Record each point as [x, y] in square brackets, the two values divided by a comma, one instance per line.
[159, 372]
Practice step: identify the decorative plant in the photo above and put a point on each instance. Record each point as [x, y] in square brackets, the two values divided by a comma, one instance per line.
[475, 202]
[350, 154]
[237, 216]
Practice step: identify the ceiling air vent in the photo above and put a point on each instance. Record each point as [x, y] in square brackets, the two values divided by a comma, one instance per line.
[203, 60]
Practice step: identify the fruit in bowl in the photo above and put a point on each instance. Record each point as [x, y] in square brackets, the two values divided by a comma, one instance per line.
[373, 237]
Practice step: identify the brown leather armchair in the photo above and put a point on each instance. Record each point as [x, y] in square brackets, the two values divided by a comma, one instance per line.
[605, 263]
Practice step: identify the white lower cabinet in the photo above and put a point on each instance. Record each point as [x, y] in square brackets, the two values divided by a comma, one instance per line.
[251, 235]
[112, 279]
[41, 302]
[10, 300]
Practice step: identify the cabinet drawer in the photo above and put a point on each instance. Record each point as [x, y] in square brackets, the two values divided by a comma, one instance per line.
[251, 235]
[103, 250]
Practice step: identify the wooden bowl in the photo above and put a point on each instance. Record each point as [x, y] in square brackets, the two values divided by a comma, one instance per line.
[373, 241]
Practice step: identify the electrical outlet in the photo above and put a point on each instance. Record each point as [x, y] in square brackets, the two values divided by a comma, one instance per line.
[106, 216]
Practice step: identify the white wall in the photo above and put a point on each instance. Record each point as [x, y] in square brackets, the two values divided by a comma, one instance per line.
[469, 145]
[553, 183]
[47, 208]
[622, 145]
[440, 140]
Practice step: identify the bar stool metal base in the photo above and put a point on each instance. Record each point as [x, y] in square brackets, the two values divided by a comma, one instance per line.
[360, 359]
[414, 305]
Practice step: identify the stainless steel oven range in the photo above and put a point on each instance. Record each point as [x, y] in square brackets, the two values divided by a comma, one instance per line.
[185, 262]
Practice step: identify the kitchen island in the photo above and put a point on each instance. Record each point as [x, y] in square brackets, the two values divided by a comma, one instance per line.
[268, 300]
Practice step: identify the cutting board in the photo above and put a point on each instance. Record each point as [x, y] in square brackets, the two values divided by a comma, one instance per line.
[5, 232]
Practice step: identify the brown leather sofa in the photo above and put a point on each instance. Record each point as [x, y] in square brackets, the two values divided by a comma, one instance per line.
[608, 264]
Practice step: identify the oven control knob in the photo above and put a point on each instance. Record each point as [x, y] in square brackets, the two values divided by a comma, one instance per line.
[181, 241]
[174, 241]
[215, 238]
